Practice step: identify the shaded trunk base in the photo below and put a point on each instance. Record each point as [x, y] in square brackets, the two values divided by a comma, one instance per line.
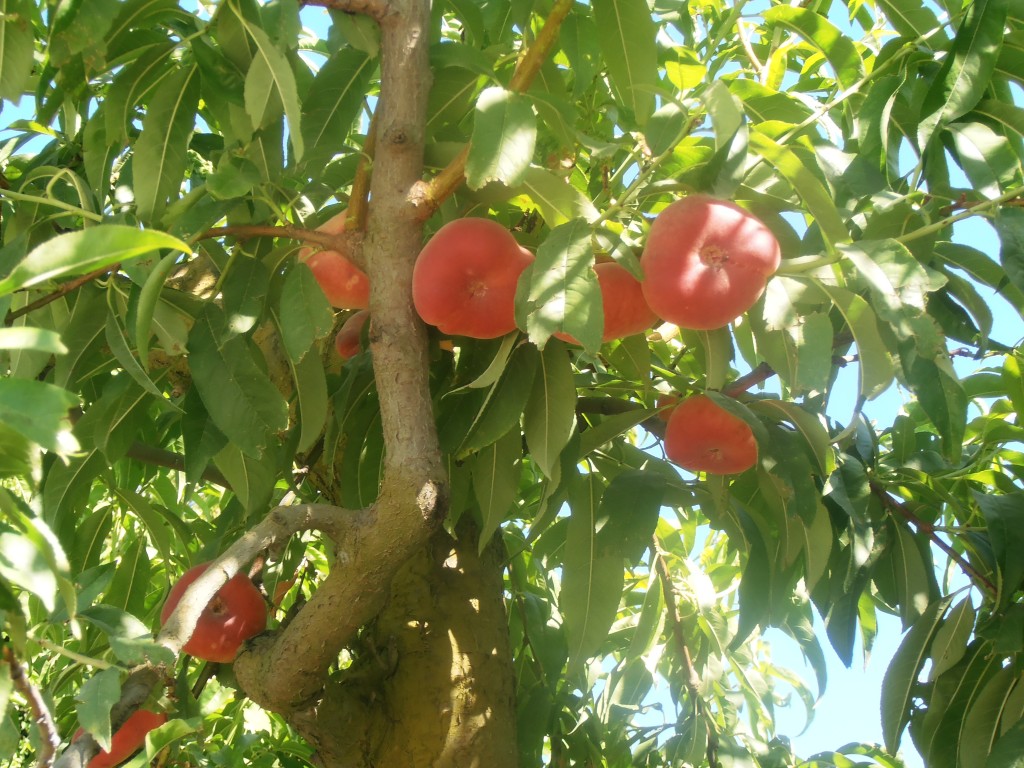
[433, 683]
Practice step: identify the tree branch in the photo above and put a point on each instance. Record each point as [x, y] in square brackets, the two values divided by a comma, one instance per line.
[287, 670]
[63, 290]
[356, 219]
[375, 9]
[346, 242]
[49, 739]
[428, 196]
[158, 457]
[892, 504]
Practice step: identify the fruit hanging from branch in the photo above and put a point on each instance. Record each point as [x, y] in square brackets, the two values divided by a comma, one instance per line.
[706, 262]
[702, 436]
[464, 281]
[128, 739]
[346, 343]
[343, 283]
[235, 614]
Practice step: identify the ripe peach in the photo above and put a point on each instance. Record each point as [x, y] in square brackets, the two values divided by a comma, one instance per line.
[464, 281]
[662, 402]
[343, 283]
[236, 613]
[701, 436]
[127, 739]
[625, 309]
[347, 340]
[706, 262]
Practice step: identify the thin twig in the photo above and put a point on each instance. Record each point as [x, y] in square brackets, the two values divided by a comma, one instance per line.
[62, 290]
[158, 457]
[49, 739]
[758, 375]
[693, 679]
[894, 505]
[340, 242]
[356, 219]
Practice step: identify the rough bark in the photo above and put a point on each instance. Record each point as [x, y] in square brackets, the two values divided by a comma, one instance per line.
[433, 684]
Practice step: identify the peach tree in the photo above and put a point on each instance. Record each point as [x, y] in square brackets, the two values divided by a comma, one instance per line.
[475, 551]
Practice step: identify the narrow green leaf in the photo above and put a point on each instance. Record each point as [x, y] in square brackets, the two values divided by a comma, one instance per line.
[495, 473]
[986, 157]
[592, 575]
[305, 314]
[912, 584]
[39, 339]
[505, 402]
[95, 699]
[149, 297]
[495, 368]
[311, 389]
[981, 725]
[967, 68]
[1009, 223]
[504, 137]
[559, 202]
[270, 73]
[24, 565]
[1004, 516]
[665, 128]
[118, 343]
[819, 201]
[158, 165]
[724, 172]
[609, 428]
[626, 36]
[75, 253]
[909, 17]
[809, 425]
[1008, 752]
[550, 415]
[39, 411]
[562, 293]
[900, 681]
[333, 103]
[942, 397]
[876, 365]
[950, 643]
[239, 397]
[822, 34]
[17, 46]
[244, 290]
[628, 513]
[252, 479]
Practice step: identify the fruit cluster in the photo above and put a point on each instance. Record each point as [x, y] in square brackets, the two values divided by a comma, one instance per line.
[705, 263]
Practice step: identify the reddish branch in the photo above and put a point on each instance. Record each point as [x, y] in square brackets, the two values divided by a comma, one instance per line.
[63, 290]
[892, 504]
[49, 739]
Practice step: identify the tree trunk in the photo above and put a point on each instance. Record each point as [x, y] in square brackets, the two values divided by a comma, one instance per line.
[432, 683]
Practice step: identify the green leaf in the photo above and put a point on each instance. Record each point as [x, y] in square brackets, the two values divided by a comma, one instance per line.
[608, 428]
[559, 202]
[238, 395]
[725, 170]
[149, 298]
[592, 575]
[967, 68]
[1004, 517]
[95, 699]
[75, 253]
[986, 157]
[158, 165]
[304, 312]
[505, 401]
[1008, 752]
[628, 514]
[822, 34]
[981, 725]
[809, 425]
[39, 411]
[24, 565]
[1009, 223]
[333, 103]
[911, 571]
[269, 85]
[39, 339]
[550, 416]
[942, 397]
[504, 137]
[665, 128]
[900, 681]
[950, 643]
[252, 479]
[495, 368]
[118, 343]
[495, 473]
[562, 293]
[17, 48]
[909, 17]
[311, 389]
[876, 365]
[244, 289]
[820, 203]
[626, 37]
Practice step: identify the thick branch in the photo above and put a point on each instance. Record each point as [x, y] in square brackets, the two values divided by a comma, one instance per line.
[287, 671]
[429, 196]
[49, 739]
